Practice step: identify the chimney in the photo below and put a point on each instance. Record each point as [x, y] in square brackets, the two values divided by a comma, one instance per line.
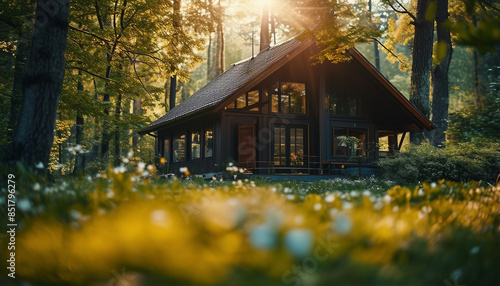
[265, 39]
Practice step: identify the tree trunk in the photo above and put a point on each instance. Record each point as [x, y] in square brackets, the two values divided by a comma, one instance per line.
[136, 109]
[220, 53]
[106, 125]
[42, 85]
[421, 65]
[173, 91]
[264, 28]
[118, 111]
[440, 83]
[79, 159]
[16, 98]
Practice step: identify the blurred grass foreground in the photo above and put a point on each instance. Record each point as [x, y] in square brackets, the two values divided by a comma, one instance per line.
[119, 229]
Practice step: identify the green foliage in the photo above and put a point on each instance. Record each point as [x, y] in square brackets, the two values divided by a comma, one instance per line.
[459, 162]
[474, 123]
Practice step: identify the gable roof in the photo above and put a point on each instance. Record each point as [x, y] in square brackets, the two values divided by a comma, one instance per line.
[236, 79]
[245, 74]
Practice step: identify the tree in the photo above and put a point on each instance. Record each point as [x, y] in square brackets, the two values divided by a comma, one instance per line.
[440, 82]
[42, 84]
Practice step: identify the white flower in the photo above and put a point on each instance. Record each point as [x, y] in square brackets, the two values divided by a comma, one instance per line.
[140, 167]
[299, 242]
[263, 237]
[387, 199]
[354, 194]
[150, 168]
[330, 198]
[24, 204]
[433, 185]
[287, 190]
[230, 164]
[119, 170]
[74, 214]
[290, 197]
[159, 218]
[181, 169]
[125, 160]
[36, 187]
[342, 224]
[130, 154]
[317, 206]
[145, 173]
[378, 205]
[60, 166]
[366, 193]
[39, 165]
[110, 194]
[395, 209]
[420, 192]
[346, 205]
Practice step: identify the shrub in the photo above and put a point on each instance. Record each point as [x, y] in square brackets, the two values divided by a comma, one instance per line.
[463, 162]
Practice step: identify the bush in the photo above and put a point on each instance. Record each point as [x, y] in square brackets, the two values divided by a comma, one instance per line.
[459, 162]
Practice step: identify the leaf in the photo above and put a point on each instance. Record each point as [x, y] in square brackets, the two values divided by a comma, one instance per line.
[441, 50]
[431, 11]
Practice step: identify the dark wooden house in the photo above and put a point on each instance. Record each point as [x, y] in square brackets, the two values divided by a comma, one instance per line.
[277, 113]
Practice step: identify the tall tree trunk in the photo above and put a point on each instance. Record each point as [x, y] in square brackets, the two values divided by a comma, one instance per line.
[80, 157]
[16, 98]
[173, 91]
[42, 85]
[106, 124]
[421, 65]
[116, 128]
[376, 51]
[221, 50]
[440, 83]
[264, 28]
[209, 58]
[136, 109]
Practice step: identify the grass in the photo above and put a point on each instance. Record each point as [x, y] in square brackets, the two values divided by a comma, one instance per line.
[120, 228]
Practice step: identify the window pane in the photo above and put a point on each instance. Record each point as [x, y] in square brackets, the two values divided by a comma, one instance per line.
[208, 143]
[166, 150]
[195, 145]
[340, 141]
[275, 99]
[296, 97]
[360, 137]
[285, 103]
[279, 146]
[253, 98]
[241, 101]
[179, 148]
[297, 146]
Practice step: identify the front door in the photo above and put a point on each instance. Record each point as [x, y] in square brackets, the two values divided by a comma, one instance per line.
[246, 145]
[290, 149]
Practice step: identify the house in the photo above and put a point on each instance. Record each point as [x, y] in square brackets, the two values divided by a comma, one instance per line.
[276, 113]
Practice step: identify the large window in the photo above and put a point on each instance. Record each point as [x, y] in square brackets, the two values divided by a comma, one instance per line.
[179, 149]
[345, 100]
[247, 101]
[195, 145]
[289, 145]
[350, 142]
[288, 97]
[209, 142]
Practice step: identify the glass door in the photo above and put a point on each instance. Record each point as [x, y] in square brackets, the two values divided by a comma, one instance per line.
[290, 148]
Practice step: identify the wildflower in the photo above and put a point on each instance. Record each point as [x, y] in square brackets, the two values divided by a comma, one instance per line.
[330, 198]
[290, 197]
[24, 204]
[36, 187]
[317, 206]
[354, 194]
[366, 193]
[299, 242]
[433, 185]
[387, 199]
[162, 160]
[74, 214]
[130, 154]
[343, 224]
[150, 168]
[39, 165]
[263, 237]
[420, 192]
[145, 173]
[140, 167]
[125, 160]
[346, 205]
[110, 194]
[159, 218]
[378, 205]
[119, 170]
[287, 190]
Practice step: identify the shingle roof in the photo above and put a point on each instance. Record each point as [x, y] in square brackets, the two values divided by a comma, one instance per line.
[230, 82]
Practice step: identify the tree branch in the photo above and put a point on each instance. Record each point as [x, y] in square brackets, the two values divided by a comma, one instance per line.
[90, 34]
[387, 49]
[404, 11]
[90, 73]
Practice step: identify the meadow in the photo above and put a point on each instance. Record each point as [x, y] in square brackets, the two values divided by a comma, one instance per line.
[125, 227]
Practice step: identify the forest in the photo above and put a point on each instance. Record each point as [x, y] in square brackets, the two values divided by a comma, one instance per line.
[86, 200]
